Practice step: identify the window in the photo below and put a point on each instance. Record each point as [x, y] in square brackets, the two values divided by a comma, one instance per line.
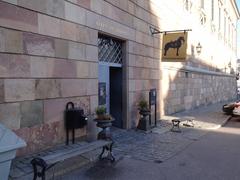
[224, 28]
[219, 18]
[202, 4]
[212, 10]
[187, 5]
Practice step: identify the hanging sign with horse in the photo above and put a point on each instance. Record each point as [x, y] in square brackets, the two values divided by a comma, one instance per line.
[174, 46]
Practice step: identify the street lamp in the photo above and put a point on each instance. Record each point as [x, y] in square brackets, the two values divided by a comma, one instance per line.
[199, 48]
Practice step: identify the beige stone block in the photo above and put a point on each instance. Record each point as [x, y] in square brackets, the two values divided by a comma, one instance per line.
[48, 25]
[131, 7]
[109, 26]
[13, 41]
[34, 5]
[93, 70]
[4, 65]
[74, 87]
[10, 115]
[82, 69]
[132, 60]
[92, 87]
[1, 90]
[56, 7]
[93, 103]
[41, 67]
[75, 13]
[47, 88]
[69, 30]
[132, 85]
[99, 7]
[76, 51]
[19, 89]
[87, 35]
[61, 48]
[31, 113]
[91, 53]
[2, 40]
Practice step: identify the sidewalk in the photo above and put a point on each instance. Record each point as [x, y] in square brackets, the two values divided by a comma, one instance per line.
[157, 146]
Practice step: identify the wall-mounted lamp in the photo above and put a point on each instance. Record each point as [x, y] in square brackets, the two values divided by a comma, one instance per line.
[230, 64]
[199, 48]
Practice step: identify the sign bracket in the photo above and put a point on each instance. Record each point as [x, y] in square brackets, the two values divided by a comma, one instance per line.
[154, 30]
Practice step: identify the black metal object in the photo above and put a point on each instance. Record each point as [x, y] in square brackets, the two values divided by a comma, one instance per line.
[74, 118]
[105, 134]
[40, 167]
[175, 125]
[153, 102]
[154, 30]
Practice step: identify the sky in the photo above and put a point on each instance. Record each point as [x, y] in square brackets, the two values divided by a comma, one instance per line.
[238, 31]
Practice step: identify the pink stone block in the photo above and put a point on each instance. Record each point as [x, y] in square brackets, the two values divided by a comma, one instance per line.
[49, 26]
[84, 3]
[14, 65]
[65, 69]
[38, 45]
[54, 109]
[18, 18]
[69, 30]
[19, 66]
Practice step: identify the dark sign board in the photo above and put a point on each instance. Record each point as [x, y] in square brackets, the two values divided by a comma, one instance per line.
[102, 93]
[153, 106]
[153, 96]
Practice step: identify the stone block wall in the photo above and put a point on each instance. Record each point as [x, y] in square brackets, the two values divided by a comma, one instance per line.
[49, 56]
[188, 90]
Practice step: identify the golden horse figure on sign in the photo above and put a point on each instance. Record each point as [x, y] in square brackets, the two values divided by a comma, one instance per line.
[174, 44]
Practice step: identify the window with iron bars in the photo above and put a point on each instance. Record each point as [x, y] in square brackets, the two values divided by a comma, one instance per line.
[109, 50]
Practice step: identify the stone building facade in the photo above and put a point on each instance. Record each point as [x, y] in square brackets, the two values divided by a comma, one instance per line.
[49, 56]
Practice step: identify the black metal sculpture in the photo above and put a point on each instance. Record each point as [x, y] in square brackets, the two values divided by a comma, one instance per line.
[174, 44]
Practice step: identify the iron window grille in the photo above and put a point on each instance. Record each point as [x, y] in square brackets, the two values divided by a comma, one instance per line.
[109, 50]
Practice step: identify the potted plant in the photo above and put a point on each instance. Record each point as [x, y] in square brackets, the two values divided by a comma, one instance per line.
[143, 107]
[101, 112]
[104, 121]
[144, 111]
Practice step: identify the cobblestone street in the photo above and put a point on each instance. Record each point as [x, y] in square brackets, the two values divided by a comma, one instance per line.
[192, 154]
[155, 146]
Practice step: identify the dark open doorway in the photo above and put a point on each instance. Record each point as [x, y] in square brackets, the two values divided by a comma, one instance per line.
[116, 95]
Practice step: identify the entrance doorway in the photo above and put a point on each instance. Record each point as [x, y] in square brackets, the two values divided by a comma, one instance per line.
[110, 77]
